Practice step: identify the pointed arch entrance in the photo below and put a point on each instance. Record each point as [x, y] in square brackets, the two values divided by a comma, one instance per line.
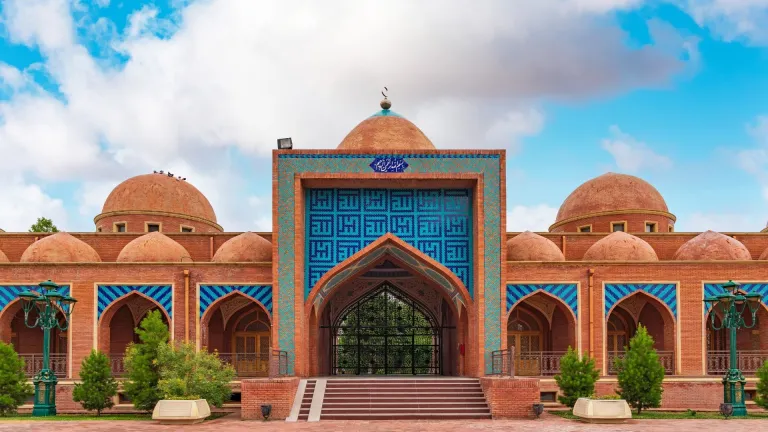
[372, 284]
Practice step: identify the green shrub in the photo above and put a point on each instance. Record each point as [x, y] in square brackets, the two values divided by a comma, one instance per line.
[577, 377]
[141, 365]
[97, 388]
[607, 397]
[762, 386]
[14, 389]
[189, 374]
[641, 373]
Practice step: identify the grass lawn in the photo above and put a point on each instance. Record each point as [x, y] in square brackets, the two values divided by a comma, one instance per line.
[655, 415]
[89, 417]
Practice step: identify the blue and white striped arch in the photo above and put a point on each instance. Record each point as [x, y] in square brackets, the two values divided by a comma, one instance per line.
[108, 294]
[664, 292]
[9, 293]
[713, 289]
[208, 294]
[567, 292]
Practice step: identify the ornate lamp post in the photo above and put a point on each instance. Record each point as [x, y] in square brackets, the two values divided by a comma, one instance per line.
[48, 304]
[731, 304]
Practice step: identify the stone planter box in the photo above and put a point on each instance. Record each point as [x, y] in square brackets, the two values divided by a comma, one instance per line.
[602, 411]
[181, 411]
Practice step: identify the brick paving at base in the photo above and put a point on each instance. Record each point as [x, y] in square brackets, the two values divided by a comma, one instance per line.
[547, 423]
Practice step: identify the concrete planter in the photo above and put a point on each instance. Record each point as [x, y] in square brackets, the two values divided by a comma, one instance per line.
[181, 411]
[602, 411]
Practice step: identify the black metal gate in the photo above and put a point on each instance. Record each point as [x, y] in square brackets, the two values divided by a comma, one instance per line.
[386, 333]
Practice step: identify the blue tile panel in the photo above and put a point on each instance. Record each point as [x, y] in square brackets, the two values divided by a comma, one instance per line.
[9, 293]
[715, 289]
[341, 222]
[211, 293]
[568, 293]
[487, 164]
[666, 293]
[107, 294]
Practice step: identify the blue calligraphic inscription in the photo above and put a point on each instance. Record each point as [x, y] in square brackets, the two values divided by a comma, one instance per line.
[389, 164]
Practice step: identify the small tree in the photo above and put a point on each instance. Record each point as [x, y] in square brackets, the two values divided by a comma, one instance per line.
[141, 365]
[762, 386]
[97, 387]
[14, 389]
[577, 377]
[43, 225]
[189, 374]
[641, 373]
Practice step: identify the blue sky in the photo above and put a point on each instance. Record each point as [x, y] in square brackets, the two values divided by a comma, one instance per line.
[93, 92]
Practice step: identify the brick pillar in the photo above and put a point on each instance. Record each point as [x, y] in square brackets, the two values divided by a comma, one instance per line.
[278, 392]
[511, 397]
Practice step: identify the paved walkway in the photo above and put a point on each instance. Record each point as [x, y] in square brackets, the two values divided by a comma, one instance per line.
[547, 423]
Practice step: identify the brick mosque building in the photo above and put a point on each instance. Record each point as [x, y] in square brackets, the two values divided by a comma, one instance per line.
[387, 227]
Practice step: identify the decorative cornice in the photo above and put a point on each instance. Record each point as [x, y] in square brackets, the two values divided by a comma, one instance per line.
[157, 213]
[611, 213]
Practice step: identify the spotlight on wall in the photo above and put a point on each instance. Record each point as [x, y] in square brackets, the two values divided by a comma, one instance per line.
[284, 144]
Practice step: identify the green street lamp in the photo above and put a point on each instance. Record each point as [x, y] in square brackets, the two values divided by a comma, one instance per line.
[48, 304]
[731, 304]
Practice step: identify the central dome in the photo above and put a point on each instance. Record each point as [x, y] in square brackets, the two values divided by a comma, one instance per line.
[386, 130]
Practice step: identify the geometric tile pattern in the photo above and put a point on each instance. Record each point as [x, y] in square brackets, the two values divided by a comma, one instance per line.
[341, 222]
[107, 294]
[711, 289]
[568, 293]
[486, 164]
[211, 293]
[665, 293]
[391, 249]
[9, 293]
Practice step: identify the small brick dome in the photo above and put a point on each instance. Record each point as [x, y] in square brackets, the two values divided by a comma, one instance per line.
[153, 247]
[59, 248]
[3, 257]
[159, 193]
[712, 246]
[386, 130]
[620, 246]
[528, 246]
[246, 247]
[610, 192]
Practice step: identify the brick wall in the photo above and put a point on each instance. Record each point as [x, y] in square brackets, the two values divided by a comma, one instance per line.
[704, 395]
[511, 397]
[635, 223]
[278, 392]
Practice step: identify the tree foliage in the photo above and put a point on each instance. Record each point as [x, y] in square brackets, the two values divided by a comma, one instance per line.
[762, 386]
[577, 377]
[97, 388]
[141, 362]
[189, 374]
[641, 373]
[43, 225]
[14, 389]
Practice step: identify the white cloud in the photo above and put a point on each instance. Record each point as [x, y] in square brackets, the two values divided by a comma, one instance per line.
[632, 155]
[536, 218]
[732, 19]
[239, 73]
[22, 203]
[755, 160]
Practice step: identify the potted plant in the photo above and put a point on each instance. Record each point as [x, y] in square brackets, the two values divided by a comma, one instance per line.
[190, 382]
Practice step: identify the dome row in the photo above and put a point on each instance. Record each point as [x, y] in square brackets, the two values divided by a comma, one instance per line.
[153, 247]
[620, 246]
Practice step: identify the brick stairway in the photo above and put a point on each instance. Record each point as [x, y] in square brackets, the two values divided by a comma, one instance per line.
[402, 398]
[306, 400]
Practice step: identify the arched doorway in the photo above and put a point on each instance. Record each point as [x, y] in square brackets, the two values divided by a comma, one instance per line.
[386, 332]
[28, 342]
[118, 323]
[751, 344]
[540, 328]
[624, 318]
[409, 279]
[239, 329]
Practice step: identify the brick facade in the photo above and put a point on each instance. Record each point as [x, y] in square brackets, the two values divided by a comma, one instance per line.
[510, 398]
[278, 392]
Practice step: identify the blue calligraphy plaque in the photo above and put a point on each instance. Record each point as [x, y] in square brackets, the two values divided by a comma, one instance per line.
[389, 164]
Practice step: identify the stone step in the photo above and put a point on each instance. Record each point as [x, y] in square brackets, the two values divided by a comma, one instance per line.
[402, 389]
[416, 405]
[405, 416]
[409, 395]
[345, 399]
